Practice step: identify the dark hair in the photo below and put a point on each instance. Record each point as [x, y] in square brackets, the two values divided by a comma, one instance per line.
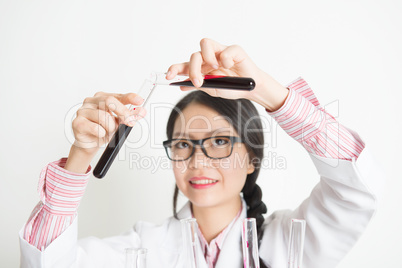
[238, 113]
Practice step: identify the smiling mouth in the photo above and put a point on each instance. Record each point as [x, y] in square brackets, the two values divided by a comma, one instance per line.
[201, 182]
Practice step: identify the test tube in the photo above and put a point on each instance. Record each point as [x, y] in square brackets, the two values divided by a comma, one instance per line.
[250, 244]
[190, 242]
[121, 134]
[136, 258]
[296, 242]
[210, 81]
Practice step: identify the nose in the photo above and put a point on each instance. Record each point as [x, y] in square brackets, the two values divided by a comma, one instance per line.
[198, 159]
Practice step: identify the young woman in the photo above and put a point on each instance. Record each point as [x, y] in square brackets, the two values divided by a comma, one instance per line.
[217, 156]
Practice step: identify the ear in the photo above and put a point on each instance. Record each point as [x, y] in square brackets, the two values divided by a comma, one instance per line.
[250, 168]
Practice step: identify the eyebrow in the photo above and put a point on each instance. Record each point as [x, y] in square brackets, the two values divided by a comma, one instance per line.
[209, 133]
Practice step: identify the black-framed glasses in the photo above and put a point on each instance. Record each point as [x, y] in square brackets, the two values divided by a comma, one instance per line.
[216, 147]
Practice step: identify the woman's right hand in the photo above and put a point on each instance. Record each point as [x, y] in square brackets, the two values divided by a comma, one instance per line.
[217, 59]
[96, 122]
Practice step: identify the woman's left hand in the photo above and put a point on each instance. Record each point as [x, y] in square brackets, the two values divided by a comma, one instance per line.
[218, 59]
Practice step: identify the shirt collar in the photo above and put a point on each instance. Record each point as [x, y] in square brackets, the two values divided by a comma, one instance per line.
[218, 240]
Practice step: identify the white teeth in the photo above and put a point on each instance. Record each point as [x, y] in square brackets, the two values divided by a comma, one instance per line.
[203, 181]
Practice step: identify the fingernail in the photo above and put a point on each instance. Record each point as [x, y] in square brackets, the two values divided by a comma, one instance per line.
[131, 120]
[168, 74]
[215, 66]
[196, 82]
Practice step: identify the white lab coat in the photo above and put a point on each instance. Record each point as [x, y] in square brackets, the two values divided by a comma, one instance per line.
[337, 212]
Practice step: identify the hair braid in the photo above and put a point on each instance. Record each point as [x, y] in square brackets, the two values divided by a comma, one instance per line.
[255, 208]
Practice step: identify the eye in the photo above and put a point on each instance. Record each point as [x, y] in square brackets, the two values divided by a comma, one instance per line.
[220, 141]
[181, 145]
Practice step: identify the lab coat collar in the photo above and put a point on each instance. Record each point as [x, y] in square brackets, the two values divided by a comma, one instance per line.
[185, 211]
[231, 253]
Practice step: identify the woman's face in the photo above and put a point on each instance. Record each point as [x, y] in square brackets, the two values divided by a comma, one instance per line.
[228, 174]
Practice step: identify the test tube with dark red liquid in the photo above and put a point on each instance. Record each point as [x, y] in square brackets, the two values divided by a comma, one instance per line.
[210, 81]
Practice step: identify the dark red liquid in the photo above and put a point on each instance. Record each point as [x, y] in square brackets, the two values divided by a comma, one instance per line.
[213, 76]
[222, 82]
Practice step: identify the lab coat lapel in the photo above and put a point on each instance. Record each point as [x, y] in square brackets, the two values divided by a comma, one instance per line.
[231, 254]
[202, 263]
[185, 213]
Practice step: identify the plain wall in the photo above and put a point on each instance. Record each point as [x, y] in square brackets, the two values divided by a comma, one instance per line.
[53, 54]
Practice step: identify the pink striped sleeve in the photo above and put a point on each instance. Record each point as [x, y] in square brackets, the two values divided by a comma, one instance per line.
[60, 192]
[303, 118]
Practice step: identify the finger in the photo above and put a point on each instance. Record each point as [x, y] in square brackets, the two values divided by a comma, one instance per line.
[183, 69]
[115, 104]
[194, 71]
[112, 104]
[232, 55]
[101, 117]
[132, 117]
[83, 126]
[108, 121]
[175, 69]
[137, 114]
[183, 88]
[209, 50]
[128, 98]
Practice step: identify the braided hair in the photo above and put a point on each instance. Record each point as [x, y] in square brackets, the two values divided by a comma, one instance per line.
[240, 112]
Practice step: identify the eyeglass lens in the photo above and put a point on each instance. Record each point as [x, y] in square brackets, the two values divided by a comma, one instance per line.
[217, 147]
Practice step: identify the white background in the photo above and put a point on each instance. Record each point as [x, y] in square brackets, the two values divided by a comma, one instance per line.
[53, 54]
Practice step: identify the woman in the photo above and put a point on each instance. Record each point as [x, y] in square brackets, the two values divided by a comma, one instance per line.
[216, 164]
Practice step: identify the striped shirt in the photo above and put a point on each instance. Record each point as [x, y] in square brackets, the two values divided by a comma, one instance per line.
[60, 193]
[301, 116]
